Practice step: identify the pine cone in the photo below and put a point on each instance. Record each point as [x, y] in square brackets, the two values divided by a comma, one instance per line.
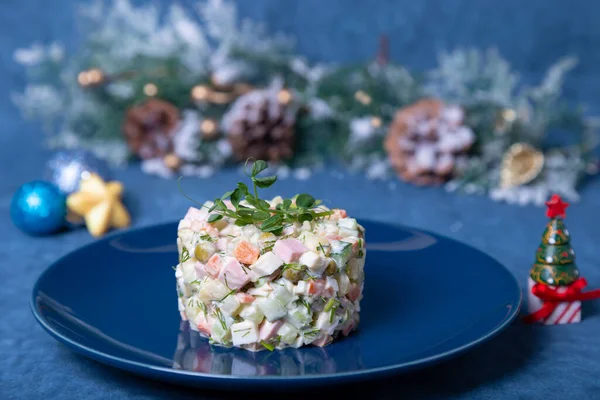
[426, 139]
[261, 124]
[149, 128]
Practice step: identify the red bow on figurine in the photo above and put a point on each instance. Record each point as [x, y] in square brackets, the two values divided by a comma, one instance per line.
[552, 298]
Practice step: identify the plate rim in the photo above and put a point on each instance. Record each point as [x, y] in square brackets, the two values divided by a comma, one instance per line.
[140, 367]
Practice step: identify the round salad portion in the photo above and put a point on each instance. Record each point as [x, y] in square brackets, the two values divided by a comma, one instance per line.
[269, 274]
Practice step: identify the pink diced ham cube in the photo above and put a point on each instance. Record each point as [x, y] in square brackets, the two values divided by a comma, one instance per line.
[200, 270]
[354, 292]
[204, 323]
[268, 330]
[348, 328]
[222, 244]
[233, 275]
[316, 287]
[289, 250]
[196, 214]
[338, 213]
[245, 298]
[214, 265]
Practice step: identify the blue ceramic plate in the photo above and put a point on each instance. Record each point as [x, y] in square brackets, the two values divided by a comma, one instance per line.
[426, 298]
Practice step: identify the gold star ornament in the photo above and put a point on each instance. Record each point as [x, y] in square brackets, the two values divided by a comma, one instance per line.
[99, 203]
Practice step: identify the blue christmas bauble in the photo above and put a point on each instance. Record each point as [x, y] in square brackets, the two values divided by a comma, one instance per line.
[66, 168]
[38, 208]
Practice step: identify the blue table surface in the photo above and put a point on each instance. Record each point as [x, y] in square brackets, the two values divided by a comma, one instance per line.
[525, 362]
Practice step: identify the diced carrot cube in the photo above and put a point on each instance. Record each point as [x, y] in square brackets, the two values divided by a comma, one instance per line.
[246, 253]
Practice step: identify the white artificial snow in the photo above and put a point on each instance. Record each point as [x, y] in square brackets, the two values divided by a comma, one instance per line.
[425, 156]
[361, 129]
[187, 136]
[302, 174]
[283, 172]
[319, 109]
[224, 148]
[156, 166]
[378, 170]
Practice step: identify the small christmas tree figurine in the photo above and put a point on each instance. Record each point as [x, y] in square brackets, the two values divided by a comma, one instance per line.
[555, 288]
[555, 259]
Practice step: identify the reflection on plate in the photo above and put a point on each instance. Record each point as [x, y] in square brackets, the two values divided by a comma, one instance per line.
[194, 353]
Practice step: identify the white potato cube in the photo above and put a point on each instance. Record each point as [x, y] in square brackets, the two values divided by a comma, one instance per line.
[188, 270]
[348, 223]
[300, 288]
[314, 262]
[324, 324]
[251, 313]
[282, 294]
[245, 332]
[230, 305]
[288, 333]
[299, 316]
[266, 265]
[272, 308]
[212, 289]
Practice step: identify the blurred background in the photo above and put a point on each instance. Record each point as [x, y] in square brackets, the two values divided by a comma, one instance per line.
[458, 117]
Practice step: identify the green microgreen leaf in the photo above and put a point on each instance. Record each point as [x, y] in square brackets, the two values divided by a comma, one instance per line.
[260, 215]
[258, 167]
[277, 232]
[243, 188]
[263, 205]
[265, 182]
[214, 217]
[185, 195]
[305, 217]
[246, 212]
[305, 201]
[271, 222]
[252, 200]
[286, 204]
[236, 197]
[226, 195]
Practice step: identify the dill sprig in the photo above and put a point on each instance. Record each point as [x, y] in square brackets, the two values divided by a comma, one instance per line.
[202, 306]
[305, 304]
[272, 344]
[249, 208]
[331, 306]
[267, 345]
[185, 255]
[312, 334]
[228, 294]
[207, 238]
[220, 317]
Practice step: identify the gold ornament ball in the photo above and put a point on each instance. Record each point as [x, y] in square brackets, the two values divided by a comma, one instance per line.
[90, 77]
[172, 161]
[376, 122]
[209, 129]
[200, 92]
[284, 96]
[362, 97]
[509, 115]
[150, 89]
